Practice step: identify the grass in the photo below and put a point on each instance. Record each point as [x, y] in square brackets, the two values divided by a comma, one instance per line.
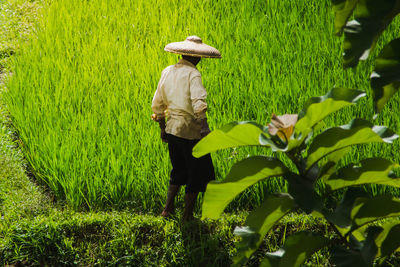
[118, 239]
[126, 239]
[18, 193]
[81, 91]
[16, 25]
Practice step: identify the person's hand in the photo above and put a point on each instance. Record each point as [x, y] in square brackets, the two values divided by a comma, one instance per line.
[205, 130]
[164, 136]
[161, 123]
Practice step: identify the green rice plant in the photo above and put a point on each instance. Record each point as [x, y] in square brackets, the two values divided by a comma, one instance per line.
[315, 157]
[80, 94]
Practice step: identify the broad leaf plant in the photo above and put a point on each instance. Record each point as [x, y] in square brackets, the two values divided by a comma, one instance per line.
[315, 157]
[371, 18]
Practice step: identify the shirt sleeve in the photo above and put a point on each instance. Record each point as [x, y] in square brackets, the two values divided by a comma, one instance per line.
[158, 104]
[198, 95]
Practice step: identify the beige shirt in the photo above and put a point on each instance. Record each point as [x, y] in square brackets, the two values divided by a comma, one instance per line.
[181, 92]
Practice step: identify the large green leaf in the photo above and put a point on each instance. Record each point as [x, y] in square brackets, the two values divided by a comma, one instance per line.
[274, 142]
[343, 9]
[303, 192]
[372, 209]
[361, 34]
[388, 241]
[358, 131]
[385, 80]
[296, 250]
[242, 175]
[362, 254]
[341, 216]
[391, 243]
[329, 166]
[367, 210]
[317, 108]
[234, 134]
[258, 224]
[358, 234]
[368, 171]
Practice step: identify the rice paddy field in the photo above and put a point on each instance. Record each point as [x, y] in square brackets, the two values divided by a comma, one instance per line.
[81, 90]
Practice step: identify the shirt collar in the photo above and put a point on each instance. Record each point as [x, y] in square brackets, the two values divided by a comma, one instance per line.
[186, 62]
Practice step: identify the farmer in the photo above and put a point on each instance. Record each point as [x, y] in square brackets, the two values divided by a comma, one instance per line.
[181, 96]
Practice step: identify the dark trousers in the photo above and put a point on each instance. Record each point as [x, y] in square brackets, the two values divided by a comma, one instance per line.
[187, 170]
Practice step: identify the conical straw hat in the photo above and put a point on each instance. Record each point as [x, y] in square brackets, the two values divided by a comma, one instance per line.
[193, 46]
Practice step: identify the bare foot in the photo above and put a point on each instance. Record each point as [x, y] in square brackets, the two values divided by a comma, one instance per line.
[166, 214]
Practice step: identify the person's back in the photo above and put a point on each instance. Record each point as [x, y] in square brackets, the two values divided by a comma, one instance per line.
[181, 90]
[177, 86]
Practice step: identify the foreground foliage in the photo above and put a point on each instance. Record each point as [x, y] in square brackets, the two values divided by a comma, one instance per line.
[371, 18]
[315, 157]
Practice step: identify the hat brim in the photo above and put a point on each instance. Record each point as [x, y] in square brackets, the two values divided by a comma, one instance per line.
[193, 49]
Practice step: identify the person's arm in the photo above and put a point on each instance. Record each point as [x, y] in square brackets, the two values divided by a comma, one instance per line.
[162, 124]
[158, 106]
[205, 130]
[198, 96]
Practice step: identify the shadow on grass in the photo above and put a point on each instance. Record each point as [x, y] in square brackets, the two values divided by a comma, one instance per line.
[203, 244]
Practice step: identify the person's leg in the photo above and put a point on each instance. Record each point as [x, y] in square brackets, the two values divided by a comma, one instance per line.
[178, 173]
[190, 201]
[169, 205]
[200, 172]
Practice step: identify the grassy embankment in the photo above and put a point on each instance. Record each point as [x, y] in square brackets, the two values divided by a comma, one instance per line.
[34, 230]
